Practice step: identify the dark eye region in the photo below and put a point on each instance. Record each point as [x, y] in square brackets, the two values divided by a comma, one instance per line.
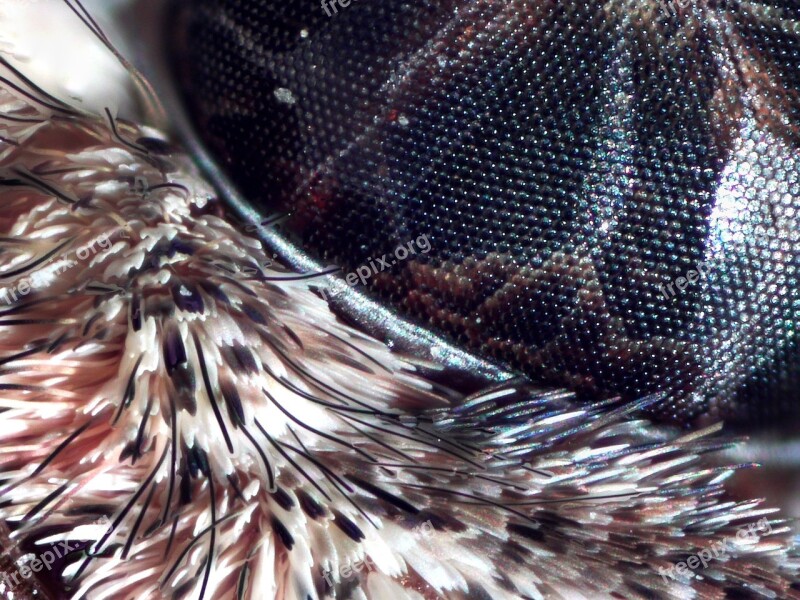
[609, 192]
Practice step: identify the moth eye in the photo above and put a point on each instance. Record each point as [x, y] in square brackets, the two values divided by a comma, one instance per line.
[610, 190]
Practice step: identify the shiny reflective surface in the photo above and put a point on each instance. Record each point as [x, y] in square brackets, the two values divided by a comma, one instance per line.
[610, 189]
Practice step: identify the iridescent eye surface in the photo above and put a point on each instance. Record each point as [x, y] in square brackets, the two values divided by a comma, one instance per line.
[611, 190]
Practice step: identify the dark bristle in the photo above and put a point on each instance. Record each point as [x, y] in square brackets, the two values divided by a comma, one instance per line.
[198, 462]
[130, 389]
[210, 391]
[155, 145]
[173, 349]
[173, 449]
[183, 590]
[113, 124]
[237, 490]
[172, 531]
[311, 507]
[280, 448]
[136, 312]
[440, 521]
[263, 456]
[254, 314]
[60, 448]
[214, 291]
[185, 497]
[283, 534]
[35, 263]
[241, 585]
[138, 443]
[185, 384]
[525, 531]
[121, 516]
[230, 394]
[187, 298]
[213, 535]
[176, 246]
[315, 431]
[240, 358]
[47, 500]
[294, 337]
[138, 523]
[384, 495]
[283, 499]
[348, 527]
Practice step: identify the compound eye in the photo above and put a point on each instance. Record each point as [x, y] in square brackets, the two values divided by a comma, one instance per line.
[609, 191]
